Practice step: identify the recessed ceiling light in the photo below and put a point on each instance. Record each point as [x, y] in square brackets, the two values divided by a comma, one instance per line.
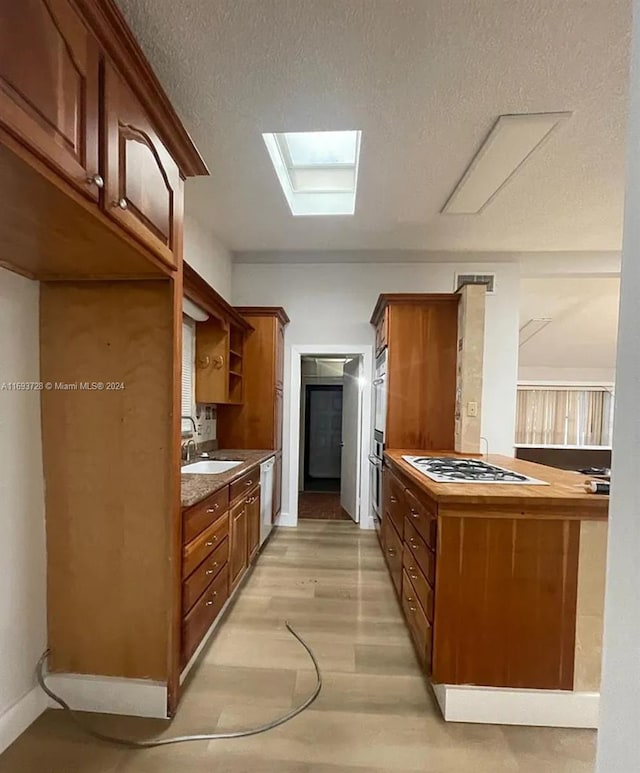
[318, 171]
[510, 143]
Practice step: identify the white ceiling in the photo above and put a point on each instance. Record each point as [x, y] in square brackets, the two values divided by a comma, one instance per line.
[424, 81]
[582, 333]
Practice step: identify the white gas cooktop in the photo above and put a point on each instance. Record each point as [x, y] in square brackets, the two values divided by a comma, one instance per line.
[445, 469]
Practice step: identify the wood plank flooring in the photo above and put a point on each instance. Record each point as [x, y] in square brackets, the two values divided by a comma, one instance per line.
[375, 713]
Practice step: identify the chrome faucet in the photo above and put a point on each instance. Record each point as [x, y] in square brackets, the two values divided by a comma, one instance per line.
[190, 443]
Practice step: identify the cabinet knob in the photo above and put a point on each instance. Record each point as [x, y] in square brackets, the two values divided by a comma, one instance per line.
[393, 500]
[249, 483]
[415, 514]
[410, 599]
[413, 576]
[391, 552]
[210, 542]
[412, 609]
[213, 595]
[213, 509]
[121, 203]
[95, 179]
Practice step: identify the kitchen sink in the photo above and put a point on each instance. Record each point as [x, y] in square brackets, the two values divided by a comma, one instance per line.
[211, 467]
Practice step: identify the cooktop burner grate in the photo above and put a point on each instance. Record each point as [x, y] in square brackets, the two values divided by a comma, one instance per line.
[444, 469]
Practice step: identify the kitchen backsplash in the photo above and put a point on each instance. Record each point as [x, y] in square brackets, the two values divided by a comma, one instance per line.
[205, 423]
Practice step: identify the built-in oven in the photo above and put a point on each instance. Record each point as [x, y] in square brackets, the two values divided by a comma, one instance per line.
[376, 462]
[380, 393]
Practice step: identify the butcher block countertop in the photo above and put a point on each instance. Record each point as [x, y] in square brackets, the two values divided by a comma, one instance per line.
[196, 487]
[564, 496]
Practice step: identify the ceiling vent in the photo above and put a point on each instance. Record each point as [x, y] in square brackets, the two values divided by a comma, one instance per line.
[489, 280]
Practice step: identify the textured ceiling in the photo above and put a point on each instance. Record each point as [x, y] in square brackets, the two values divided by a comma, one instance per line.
[424, 80]
[584, 322]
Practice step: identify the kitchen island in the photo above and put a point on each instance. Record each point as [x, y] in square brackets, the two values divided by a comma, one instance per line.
[502, 586]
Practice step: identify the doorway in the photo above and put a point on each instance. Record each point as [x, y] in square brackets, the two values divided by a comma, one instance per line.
[330, 442]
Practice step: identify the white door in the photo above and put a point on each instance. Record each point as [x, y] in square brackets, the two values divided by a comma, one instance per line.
[350, 469]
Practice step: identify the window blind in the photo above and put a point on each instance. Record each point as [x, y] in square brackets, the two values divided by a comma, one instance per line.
[188, 369]
[564, 417]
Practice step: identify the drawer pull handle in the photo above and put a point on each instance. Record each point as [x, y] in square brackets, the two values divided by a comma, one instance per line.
[214, 508]
[393, 500]
[410, 599]
[415, 514]
[413, 576]
[412, 609]
[211, 542]
[213, 595]
[249, 483]
[391, 552]
[212, 571]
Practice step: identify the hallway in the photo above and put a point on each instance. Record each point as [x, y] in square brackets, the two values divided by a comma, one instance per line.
[375, 713]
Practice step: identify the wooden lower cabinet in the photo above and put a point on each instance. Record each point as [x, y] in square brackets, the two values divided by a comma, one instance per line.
[221, 536]
[489, 597]
[201, 617]
[253, 523]
[392, 547]
[239, 542]
[410, 557]
[277, 487]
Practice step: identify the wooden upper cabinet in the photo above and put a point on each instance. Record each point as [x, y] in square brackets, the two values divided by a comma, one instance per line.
[144, 190]
[49, 86]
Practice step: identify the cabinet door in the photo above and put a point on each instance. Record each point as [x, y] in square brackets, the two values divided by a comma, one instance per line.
[277, 418]
[49, 85]
[280, 356]
[277, 487]
[238, 536]
[144, 191]
[253, 523]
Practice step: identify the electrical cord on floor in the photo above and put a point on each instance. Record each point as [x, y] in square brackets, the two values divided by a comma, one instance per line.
[153, 743]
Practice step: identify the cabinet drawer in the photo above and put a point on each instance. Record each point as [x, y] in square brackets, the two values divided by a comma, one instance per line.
[418, 623]
[205, 611]
[395, 503]
[198, 549]
[196, 583]
[423, 591]
[420, 550]
[244, 484]
[197, 518]
[392, 549]
[422, 519]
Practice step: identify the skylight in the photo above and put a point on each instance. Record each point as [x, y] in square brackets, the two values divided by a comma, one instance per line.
[318, 171]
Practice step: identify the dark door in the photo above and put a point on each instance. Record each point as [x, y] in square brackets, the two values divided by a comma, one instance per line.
[323, 437]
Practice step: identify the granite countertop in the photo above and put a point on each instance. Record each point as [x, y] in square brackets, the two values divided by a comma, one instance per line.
[564, 489]
[196, 487]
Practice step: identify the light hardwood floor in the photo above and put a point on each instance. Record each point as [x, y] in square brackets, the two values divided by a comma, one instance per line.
[375, 713]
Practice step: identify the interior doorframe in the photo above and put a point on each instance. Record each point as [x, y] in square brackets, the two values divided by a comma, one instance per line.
[365, 351]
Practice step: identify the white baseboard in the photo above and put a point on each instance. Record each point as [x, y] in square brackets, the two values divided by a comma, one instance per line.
[287, 520]
[111, 695]
[504, 706]
[16, 719]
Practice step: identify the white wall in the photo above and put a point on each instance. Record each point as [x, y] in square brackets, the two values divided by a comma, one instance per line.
[23, 629]
[581, 375]
[331, 304]
[204, 252]
[618, 738]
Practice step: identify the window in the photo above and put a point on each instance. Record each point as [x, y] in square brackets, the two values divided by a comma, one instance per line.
[188, 369]
[564, 415]
[318, 171]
